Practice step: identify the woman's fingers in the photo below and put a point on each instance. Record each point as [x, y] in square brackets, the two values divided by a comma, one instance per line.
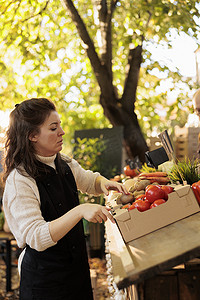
[104, 189]
[103, 216]
[108, 214]
[112, 185]
[96, 213]
[99, 219]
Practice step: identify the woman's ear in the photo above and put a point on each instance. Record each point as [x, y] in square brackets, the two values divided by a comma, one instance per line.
[33, 137]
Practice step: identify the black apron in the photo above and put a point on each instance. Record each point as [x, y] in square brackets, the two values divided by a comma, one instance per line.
[60, 272]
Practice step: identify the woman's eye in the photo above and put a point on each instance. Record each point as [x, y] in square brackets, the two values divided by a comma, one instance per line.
[53, 129]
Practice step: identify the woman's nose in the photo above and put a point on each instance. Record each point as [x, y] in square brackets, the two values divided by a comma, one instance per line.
[61, 132]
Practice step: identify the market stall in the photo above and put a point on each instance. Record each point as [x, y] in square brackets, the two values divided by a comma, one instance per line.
[147, 256]
[153, 250]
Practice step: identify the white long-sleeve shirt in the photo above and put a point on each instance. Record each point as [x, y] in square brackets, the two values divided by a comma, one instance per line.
[21, 202]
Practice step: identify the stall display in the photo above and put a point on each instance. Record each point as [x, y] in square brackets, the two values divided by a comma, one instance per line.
[157, 228]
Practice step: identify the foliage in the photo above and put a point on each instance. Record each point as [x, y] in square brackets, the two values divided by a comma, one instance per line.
[42, 55]
[186, 170]
[88, 152]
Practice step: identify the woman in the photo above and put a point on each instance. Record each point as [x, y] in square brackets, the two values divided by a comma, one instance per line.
[42, 208]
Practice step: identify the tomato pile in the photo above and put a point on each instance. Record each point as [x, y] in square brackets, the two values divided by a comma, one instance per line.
[154, 195]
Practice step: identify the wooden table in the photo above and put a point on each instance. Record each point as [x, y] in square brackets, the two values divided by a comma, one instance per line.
[7, 237]
[153, 253]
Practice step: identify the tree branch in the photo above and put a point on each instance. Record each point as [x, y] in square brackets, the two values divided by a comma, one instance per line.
[100, 70]
[113, 5]
[131, 82]
[105, 17]
[39, 13]
[12, 19]
[22, 21]
[4, 11]
[130, 86]
[105, 29]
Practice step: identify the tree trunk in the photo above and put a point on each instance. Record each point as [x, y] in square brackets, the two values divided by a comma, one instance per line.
[120, 112]
[134, 141]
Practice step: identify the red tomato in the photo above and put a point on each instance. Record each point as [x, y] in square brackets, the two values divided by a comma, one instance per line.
[142, 205]
[130, 172]
[157, 202]
[140, 197]
[154, 192]
[168, 189]
[149, 186]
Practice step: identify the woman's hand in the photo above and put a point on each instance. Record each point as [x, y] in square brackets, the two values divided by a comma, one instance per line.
[95, 213]
[104, 185]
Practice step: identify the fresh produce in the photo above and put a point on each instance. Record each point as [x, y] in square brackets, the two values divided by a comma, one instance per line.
[147, 169]
[157, 202]
[144, 189]
[124, 199]
[126, 206]
[166, 166]
[159, 177]
[196, 190]
[140, 197]
[154, 195]
[130, 172]
[141, 205]
[186, 170]
[155, 174]
[141, 184]
[168, 189]
[132, 206]
[136, 186]
[130, 182]
[138, 193]
[154, 192]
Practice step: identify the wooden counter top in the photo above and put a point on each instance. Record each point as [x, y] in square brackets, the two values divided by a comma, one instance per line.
[153, 253]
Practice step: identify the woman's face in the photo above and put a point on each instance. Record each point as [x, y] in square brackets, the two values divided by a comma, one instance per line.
[49, 140]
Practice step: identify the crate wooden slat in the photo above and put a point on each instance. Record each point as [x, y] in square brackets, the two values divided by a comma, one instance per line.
[153, 253]
[186, 141]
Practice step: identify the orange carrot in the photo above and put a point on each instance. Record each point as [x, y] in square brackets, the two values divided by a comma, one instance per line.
[153, 174]
[160, 180]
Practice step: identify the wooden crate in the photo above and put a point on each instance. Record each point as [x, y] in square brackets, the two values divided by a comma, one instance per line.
[186, 142]
[180, 283]
[149, 256]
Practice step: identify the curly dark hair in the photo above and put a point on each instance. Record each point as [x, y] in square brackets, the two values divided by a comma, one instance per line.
[1, 187]
[25, 120]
